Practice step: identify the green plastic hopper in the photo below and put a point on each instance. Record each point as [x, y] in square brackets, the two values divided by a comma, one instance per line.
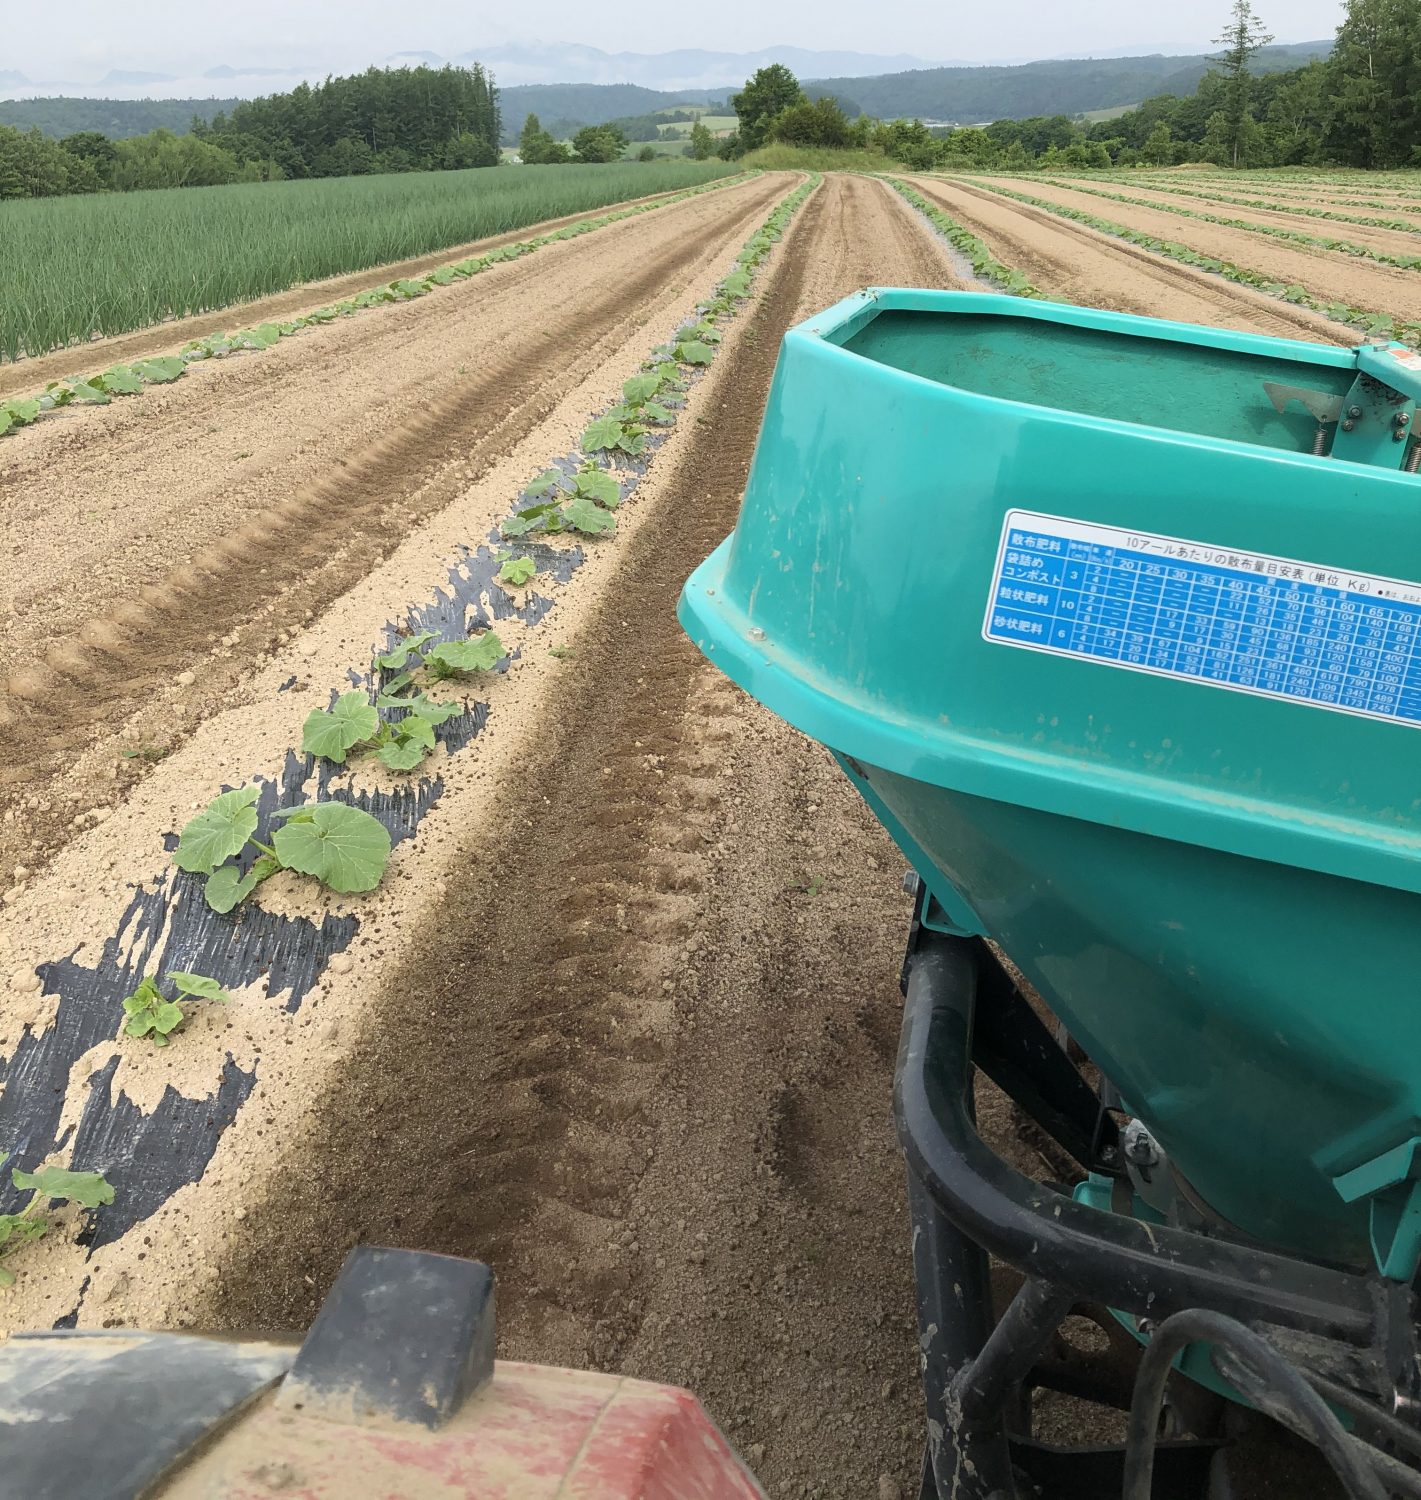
[1116, 625]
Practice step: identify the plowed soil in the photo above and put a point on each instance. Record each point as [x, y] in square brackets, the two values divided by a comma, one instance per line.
[1074, 263]
[661, 1013]
[1389, 241]
[621, 1018]
[1338, 277]
[190, 531]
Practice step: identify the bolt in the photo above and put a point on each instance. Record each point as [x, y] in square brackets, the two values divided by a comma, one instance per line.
[1402, 418]
[1348, 425]
[1108, 1155]
[1354, 412]
[756, 634]
[1145, 1327]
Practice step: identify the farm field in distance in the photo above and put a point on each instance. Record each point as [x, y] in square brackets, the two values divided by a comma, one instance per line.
[688, 1128]
[72, 267]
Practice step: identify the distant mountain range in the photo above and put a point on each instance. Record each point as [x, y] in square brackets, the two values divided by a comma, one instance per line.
[1067, 86]
[958, 93]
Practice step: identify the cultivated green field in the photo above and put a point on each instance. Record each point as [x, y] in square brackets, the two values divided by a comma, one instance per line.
[73, 267]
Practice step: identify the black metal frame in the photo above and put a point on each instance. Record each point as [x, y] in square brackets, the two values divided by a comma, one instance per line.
[963, 1011]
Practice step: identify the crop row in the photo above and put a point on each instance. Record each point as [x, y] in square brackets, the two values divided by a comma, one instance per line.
[77, 266]
[129, 380]
[346, 848]
[985, 265]
[1274, 231]
[1304, 210]
[1379, 323]
[1279, 201]
[343, 847]
[1305, 191]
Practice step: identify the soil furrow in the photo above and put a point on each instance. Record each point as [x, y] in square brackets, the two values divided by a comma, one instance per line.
[658, 1008]
[1073, 263]
[362, 432]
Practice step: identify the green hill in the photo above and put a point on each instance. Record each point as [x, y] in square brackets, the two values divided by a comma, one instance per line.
[1068, 86]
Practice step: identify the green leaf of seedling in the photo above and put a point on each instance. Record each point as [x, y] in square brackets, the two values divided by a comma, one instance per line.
[20, 412]
[120, 381]
[478, 653]
[605, 432]
[341, 846]
[198, 987]
[329, 734]
[640, 389]
[549, 479]
[407, 287]
[87, 1189]
[737, 284]
[59, 393]
[435, 711]
[517, 571]
[415, 729]
[16, 1230]
[89, 393]
[227, 886]
[218, 831]
[401, 757]
[695, 352]
[589, 518]
[599, 485]
[545, 517]
[400, 652]
[653, 411]
[162, 370]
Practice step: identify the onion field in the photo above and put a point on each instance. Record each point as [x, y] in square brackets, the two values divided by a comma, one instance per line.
[74, 267]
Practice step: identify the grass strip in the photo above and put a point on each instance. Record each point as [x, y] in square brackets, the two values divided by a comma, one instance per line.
[985, 265]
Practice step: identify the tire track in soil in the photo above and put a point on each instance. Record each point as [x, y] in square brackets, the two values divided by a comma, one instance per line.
[285, 563]
[1073, 263]
[642, 1062]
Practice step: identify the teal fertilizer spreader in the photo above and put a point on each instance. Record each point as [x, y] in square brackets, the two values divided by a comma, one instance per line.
[1116, 626]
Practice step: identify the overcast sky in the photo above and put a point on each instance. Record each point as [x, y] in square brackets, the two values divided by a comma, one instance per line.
[83, 39]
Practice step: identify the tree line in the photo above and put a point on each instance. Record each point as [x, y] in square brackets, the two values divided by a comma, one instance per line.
[383, 120]
[1361, 107]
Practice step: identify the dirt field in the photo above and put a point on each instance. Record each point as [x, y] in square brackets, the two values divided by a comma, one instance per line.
[1388, 241]
[1358, 282]
[657, 1008]
[1074, 263]
[622, 1017]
